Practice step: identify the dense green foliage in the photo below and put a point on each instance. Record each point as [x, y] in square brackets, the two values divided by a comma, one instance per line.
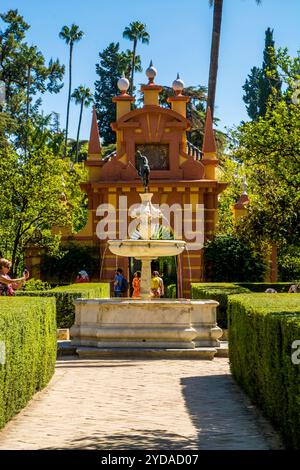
[230, 259]
[28, 331]
[36, 284]
[269, 149]
[170, 291]
[39, 188]
[219, 292]
[113, 63]
[263, 84]
[65, 296]
[262, 329]
[63, 267]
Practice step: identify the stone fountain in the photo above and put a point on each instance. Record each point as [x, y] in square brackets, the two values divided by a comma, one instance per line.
[146, 326]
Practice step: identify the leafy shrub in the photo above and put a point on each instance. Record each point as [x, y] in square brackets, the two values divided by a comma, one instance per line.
[171, 291]
[36, 285]
[72, 258]
[220, 293]
[228, 259]
[65, 296]
[28, 331]
[262, 329]
[289, 263]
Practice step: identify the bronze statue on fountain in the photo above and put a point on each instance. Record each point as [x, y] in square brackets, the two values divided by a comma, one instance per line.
[143, 170]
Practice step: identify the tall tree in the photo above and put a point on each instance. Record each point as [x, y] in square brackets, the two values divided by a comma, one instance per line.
[263, 83]
[135, 32]
[270, 150]
[70, 36]
[84, 97]
[214, 55]
[31, 200]
[113, 63]
[26, 74]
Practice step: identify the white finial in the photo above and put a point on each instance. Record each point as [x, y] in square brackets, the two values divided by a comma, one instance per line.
[245, 185]
[123, 84]
[151, 72]
[178, 85]
[2, 93]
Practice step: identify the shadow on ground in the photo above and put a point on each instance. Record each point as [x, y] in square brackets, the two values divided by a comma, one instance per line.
[224, 417]
[140, 439]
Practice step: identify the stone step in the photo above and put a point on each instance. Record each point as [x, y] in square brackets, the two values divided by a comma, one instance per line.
[197, 353]
[222, 350]
[65, 348]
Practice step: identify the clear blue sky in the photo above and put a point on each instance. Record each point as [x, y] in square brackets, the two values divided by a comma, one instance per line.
[180, 42]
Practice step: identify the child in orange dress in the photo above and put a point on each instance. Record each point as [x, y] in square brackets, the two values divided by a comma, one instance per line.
[136, 284]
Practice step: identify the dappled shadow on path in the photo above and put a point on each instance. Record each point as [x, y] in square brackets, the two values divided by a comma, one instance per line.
[133, 440]
[224, 417]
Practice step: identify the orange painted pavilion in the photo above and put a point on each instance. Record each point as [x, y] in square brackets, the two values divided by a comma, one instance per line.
[179, 174]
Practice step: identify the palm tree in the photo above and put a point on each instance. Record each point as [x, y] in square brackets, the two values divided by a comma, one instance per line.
[135, 32]
[70, 36]
[84, 97]
[214, 55]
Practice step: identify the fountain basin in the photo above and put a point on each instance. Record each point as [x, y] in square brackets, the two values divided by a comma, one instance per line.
[166, 326]
[146, 248]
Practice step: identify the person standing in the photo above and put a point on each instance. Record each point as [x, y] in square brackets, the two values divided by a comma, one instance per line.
[8, 285]
[161, 285]
[120, 284]
[155, 285]
[136, 284]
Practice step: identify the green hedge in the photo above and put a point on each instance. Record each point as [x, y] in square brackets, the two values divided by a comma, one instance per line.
[28, 331]
[262, 286]
[171, 291]
[219, 292]
[262, 328]
[65, 296]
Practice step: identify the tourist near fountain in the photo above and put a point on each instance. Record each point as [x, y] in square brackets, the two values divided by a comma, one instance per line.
[146, 326]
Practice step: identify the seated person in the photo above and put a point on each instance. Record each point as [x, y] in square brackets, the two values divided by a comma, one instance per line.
[82, 277]
[294, 289]
[8, 285]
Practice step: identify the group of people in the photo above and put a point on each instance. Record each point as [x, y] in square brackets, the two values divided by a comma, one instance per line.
[293, 289]
[121, 285]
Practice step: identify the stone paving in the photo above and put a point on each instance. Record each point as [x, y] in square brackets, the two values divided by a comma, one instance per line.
[140, 404]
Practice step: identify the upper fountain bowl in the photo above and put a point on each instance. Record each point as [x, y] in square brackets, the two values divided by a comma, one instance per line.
[146, 248]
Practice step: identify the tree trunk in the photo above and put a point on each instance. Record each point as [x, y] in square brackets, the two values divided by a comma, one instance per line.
[78, 131]
[214, 55]
[27, 108]
[69, 98]
[133, 65]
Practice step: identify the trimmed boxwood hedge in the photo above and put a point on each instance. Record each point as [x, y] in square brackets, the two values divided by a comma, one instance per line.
[65, 296]
[28, 331]
[219, 292]
[262, 328]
